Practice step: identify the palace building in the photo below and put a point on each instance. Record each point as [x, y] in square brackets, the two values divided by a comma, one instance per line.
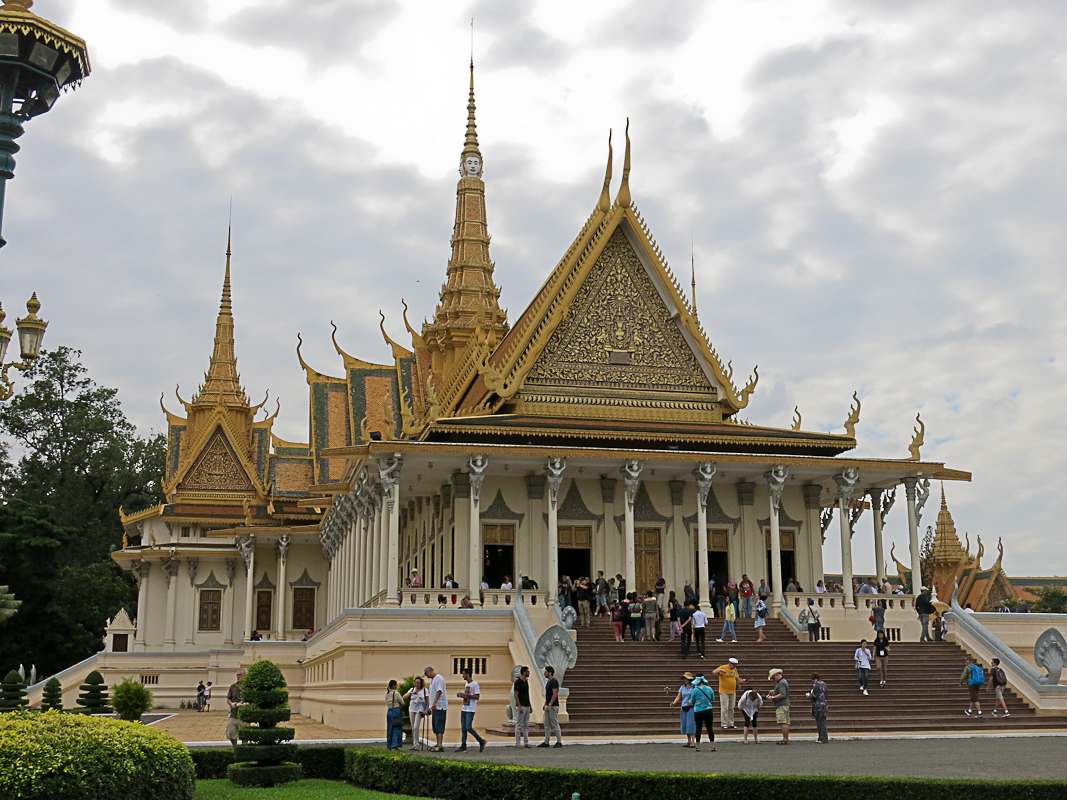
[599, 430]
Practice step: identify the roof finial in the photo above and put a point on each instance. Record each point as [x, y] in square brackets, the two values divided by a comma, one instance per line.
[623, 198]
[605, 197]
[225, 307]
[470, 160]
[693, 265]
[944, 505]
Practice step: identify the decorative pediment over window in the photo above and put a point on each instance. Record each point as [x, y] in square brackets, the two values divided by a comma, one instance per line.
[265, 583]
[304, 581]
[716, 516]
[499, 509]
[211, 582]
[645, 511]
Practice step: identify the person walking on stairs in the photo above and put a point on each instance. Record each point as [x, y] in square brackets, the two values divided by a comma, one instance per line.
[601, 594]
[672, 613]
[750, 704]
[747, 591]
[522, 701]
[730, 614]
[728, 680]
[997, 681]
[862, 658]
[649, 617]
[685, 625]
[924, 607]
[810, 617]
[703, 712]
[760, 622]
[973, 676]
[779, 695]
[684, 699]
[881, 657]
[817, 695]
[552, 708]
[700, 622]
[470, 695]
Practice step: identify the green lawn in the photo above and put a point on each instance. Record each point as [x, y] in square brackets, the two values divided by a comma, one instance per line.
[300, 790]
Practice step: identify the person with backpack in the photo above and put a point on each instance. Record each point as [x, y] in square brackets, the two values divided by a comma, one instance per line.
[998, 680]
[703, 697]
[760, 621]
[810, 617]
[974, 677]
[601, 594]
[673, 606]
[617, 622]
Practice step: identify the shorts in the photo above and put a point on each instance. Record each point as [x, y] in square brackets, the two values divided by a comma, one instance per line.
[999, 692]
[781, 715]
[973, 690]
[439, 716]
[751, 722]
[232, 724]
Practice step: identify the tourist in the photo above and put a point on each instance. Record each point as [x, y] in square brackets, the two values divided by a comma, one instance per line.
[899, 590]
[1022, 607]
[649, 617]
[730, 614]
[689, 595]
[672, 614]
[924, 608]
[760, 622]
[881, 657]
[584, 597]
[943, 627]
[728, 680]
[684, 699]
[438, 707]
[551, 708]
[207, 696]
[661, 589]
[817, 695]
[747, 592]
[624, 614]
[394, 715]
[448, 582]
[233, 700]
[522, 708]
[998, 680]
[613, 595]
[886, 588]
[700, 621]
[200, 696]
[636, 620]
[791, 587]
[731, 592]
[307, 636]
[810, 617]
[722, 598]
[470, 694]
[862, 657]
[255, 637]
[466, 602]
[764, 591]
[602, 589]
[418, 700]
[685, 624]
[968, 609]
[779, 696]
[416, 579]
[507, 585]
[703, 712]
[750, 704]
[617, 622]
[973, 676]
[878, 616]
[620, 584]
[820, 588]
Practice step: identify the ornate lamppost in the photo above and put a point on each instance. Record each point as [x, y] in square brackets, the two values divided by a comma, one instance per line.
[38, 60]
[31, 334]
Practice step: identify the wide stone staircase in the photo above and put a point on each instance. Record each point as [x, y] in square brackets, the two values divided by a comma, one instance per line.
[625, 689]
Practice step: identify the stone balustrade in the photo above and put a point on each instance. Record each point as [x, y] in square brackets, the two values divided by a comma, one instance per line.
[796, 601]
[430, 597]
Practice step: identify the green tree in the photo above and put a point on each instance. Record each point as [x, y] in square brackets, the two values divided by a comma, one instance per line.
[8, 604]
[1050, 600]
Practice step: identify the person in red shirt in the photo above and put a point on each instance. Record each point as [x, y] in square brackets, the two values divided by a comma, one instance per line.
[747, 592]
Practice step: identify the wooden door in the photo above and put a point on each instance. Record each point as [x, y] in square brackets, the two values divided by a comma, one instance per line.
[647, 557]
[264, 607]
[303, 609]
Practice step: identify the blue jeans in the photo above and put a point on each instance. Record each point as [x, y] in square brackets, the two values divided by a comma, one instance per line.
[728, 625]
[394, 729]
[636, 626]
[466, 721]
[748, 606]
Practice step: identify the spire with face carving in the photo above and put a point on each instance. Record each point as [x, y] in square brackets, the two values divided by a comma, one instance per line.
[469, 295]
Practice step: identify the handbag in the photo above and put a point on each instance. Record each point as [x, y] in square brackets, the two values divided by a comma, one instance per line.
[872, 619]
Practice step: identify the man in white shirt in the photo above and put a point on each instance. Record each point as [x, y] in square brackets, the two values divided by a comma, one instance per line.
[863, 664]
[470, 694]
[699, 622]
[438, 706]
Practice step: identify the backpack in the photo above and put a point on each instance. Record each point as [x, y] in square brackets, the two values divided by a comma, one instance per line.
[762, 613]
[998, 676]
[977, 676]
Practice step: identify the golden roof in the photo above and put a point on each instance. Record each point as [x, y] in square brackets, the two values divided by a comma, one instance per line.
[947, 547]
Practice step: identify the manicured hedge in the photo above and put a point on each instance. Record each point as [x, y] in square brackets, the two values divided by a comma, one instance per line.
[464, 780]
[50, 755]
[318, 762]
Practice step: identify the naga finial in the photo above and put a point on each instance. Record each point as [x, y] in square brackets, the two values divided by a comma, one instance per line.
[853, 416]
[796, 418]
[750, 387]
[916, 440]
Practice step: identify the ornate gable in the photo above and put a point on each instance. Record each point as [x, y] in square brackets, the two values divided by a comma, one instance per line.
[217, 468]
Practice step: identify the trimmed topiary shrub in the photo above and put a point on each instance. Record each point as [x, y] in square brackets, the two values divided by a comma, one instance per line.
[130, 699]
[93, 699]
[12, 692]
[266, 761]
[316, 761]
[51, 755]
[52, 697]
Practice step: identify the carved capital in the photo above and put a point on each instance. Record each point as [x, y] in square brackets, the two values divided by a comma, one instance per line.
[247, 547]
[703, 474]
[776, 477]
[170, 570]
[389, 471]
[909, 488]
[192, 565]
[283, 546]
[554, 477]
[631, 478]
[812, 496]
[476, 470]
[846, 484]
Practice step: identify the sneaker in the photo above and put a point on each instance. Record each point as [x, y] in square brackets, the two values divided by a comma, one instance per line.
[718, 640]
[702, 656]
[865, 693]
[994, 712]
[481, 745]
[967, 712]
[979, 713]
[544, 744]
[558, 744]
[461, 749]
[1007, 713]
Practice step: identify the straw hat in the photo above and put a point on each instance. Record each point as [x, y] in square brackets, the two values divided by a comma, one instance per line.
[772, 673]
[687, 675]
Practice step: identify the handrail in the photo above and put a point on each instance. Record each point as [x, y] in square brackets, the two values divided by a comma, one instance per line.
[527, 632]
[1009, 659]
[790, 620]
[64, 673]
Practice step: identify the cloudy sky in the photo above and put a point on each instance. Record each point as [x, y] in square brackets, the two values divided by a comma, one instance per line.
[875, 192]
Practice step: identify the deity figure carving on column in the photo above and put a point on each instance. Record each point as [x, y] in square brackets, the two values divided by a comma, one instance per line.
[192, 566]
[283, 546]
[554, 477]
[703, 474]
[231, 571]
[247, 546]
[922, 492]
[170, 569]
[631, 477]
[477, 465]
[890, 498]
[776, 478]
[846, 484]
[389, 472]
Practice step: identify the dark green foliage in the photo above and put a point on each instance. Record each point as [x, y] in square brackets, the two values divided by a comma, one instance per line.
[264, 699]
[130, 699]
[1050, 600]
[59, 516]
[52, 696]
[267, 753]
[12, 692]
[461, 780]
[266, 735]
[8, 604]
[318, 762]
[249, 773]
[264, 676]
[94, 698]
[54, 756]
[264, 717]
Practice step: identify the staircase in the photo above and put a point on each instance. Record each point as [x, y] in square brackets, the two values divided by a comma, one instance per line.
[625, 689]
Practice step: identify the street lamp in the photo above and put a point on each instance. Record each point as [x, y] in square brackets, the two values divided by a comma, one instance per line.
[31, 334]
[38, 60]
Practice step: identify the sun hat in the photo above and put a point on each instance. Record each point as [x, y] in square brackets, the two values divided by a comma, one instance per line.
[733, 661]
[688, 676]
[773, 672]
[699, 679]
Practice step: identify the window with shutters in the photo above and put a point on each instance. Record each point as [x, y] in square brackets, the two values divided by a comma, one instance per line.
[210, 609]
[303, 609]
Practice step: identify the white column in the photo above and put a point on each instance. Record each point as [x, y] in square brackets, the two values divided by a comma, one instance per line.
[170, 570]
[703, 474]
[476, 471]
[775, 486]
[913, 535]
[191, 566]
[283, 552]
[879, 556]
[390, 566]
[248, 550]
[381, 526]
[631, 476]
[553, 479]
[846, 487]
[227, 601]
[141, 572]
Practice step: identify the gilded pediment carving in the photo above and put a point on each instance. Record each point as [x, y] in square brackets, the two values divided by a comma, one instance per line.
[217, 469]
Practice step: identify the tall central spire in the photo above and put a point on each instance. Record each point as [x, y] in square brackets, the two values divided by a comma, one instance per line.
[469, 296]
[222, 383]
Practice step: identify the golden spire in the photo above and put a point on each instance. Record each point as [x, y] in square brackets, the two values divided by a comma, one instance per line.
[947, 547]
[693, 266]
[470, 141]
[623, 198]
[222, 383]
